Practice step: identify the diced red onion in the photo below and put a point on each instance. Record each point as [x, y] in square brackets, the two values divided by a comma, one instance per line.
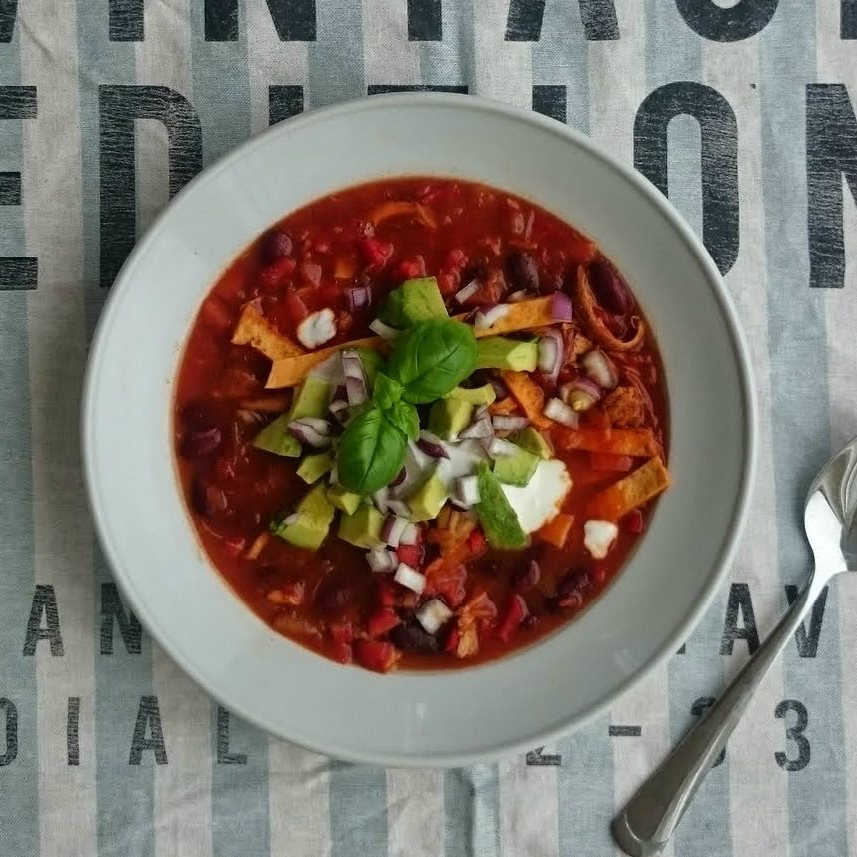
[339, 393]
[581, 394]
[339, 409]
[355, 379]
[358, 297]
[520, 295]
[488, 317]
[410, 535]
[432, 445]
[498, 448]
[500, 389]
[600, 368]
[551, 369]
[380, 498]
[464, 295]
[433, 615]
[400, 478]
[558, 410]
[383, 330]
[357, 392]
[321, 426]
[392, 529]
[399, 507]
[477, 429]
[467, 490]
[410, 578]
[381, 560]
[561, 309]
[308, 435]
[504, 422]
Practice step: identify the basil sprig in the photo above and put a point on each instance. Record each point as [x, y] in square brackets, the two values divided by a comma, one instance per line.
[428, 360]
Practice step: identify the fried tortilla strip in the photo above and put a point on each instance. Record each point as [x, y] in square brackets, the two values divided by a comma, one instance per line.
[636, 442]
[529, 395]
[254, 329]
[290, 371]
[627, 494]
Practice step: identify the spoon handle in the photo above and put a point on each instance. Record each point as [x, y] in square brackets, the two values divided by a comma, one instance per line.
[650, 817]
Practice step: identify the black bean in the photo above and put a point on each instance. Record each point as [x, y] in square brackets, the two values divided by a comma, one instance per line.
[410, 636]
[278, 244]
[523, 271]
[570, 589]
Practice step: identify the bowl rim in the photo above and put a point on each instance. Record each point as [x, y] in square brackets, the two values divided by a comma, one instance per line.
[731, 539]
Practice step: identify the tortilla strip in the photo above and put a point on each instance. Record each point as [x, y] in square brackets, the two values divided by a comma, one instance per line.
[254, 329]
[627, 494]
[636, 442]
[289, 370]
[529, 396]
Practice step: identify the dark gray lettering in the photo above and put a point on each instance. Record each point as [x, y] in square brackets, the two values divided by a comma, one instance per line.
[740, 603]
[294, 20]
[624, 731]
[284, 102]
[44, 604]
[384, 88]
[72, 730]
[224, 756]
[550, 101]
[10, 714]
[719, 157]
[113, 612]
[425, 21]
[831, 153]
[794, 733]
[126, 20]
[8, 14]
[807, 640]
[148, 717]
[713, 22]
[537, 759]
[848, 20]
[697, 709]
[10, 188]
[524, 22]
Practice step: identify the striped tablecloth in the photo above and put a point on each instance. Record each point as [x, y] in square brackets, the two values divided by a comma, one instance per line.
[110, 106]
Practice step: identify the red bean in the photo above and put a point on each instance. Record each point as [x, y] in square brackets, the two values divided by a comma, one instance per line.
[570, 589]
[610, 289]
[196, 444]
[278, 244]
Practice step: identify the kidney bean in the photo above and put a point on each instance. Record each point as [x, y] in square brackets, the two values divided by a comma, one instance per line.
[278, 244]
[570, 589]
[412, 637]
[200, 442]
[523, 271]
[609, 288]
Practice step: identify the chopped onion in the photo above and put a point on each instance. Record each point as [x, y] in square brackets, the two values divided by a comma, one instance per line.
[600, 368]
[467, 490]
[500, 389]
[432, 445]
[381, 560]
[561, 307]
[399, 507]
[464, 295]
[557, 409]
[321, 426]
[498, 448]
[307, 434]
[339, 409]
[355, 379]
[317, 328]
[520, 295]
[477, 429]
[384, 330]
[581, 394]
[410, 535]
[433, 615]
[502, 422]
[358, 297]
[392, 529]
[380, 498]
[410, 578]
[489, 317]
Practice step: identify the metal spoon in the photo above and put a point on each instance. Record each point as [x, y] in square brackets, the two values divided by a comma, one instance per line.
[830, 520]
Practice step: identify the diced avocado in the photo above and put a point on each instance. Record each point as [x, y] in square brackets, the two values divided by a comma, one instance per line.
[276, 438]
[414, 301]
[362, 528]
[517, 469]
[483, 395]
[427, 500]
[315, 515]
[311, 400]
[343, 499]
[500, 352]
[499, 521]
[371, 361]
[314, 466]
[533, 441]
[448, 417]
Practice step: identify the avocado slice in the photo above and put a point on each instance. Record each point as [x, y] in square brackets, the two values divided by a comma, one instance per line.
[314, 466]
[533, 441]
[414, 301]
[517, 469]
[484, 395]
[315, 515]
[498, 518]
[362, 528]
[448, 417]
[311, 400]
[500, 352]
[428, 499]
[344, 499]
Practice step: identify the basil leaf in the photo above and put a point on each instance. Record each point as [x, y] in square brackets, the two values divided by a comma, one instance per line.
[371, 361]
[431, 358]
[387, 391]
[404, 417]
[370, 452]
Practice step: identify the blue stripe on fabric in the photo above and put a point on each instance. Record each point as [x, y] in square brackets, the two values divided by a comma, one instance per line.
[335, 61]
[358, 810]
[471, 798]
[19, 796]
[124, 792]
[586, 791]
[801, 435]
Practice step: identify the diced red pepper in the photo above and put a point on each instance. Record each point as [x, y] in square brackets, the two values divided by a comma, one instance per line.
[296, 308]
[341, 632]
[375, 253]
[413, 266]
[375, 655]
[476, 542]
[610, 463]
[516, 612]
[382, 621]
[411, 555]
[277, 272]
[635, 522]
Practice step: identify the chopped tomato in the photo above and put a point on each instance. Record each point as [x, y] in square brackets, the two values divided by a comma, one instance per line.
[382, 621]
[341, 652]
[610, 463]
[476, 542]
[448, 282]
[411, 555]
[375, 655]
[375, 253]
[515, 613]
[386, 593]
[341, 632]
[277, 272]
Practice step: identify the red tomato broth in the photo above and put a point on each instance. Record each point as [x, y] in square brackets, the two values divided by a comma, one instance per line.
[234, 494]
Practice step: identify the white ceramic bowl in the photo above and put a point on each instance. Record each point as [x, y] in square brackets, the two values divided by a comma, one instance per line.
[427, 718]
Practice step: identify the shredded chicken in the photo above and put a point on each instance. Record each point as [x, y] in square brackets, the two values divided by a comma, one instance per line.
[625, 408]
